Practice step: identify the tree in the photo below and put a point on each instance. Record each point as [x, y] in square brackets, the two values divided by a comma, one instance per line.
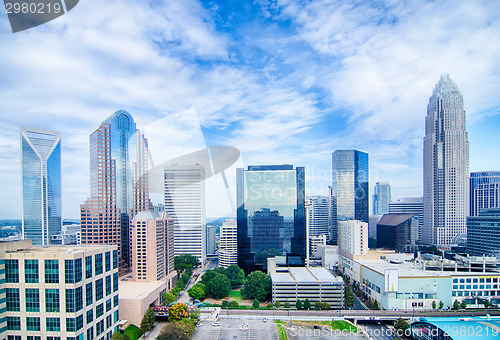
[456, 304]
[434, 305]
[168, 298]
[298, 304]
[175, 331]
[401, 326]
[463, 304]
[441, 304]
[197, 292]
[277, 304]
[307, 304]
[209, 275]
[175, 291]
[224, 304]
[236, 276]
[318, 305]
[325, 305]
[376, 305]
[120, 336]
[234, 304]
[349, 297]
[220, 270]
[287, 305]
[182, 262]
[219, 286]
[147, 320]
[257, 285]
[177, 312]
[256, 303]
[486, 304]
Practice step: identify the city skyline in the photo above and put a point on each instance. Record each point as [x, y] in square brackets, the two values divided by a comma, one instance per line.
[310, 71]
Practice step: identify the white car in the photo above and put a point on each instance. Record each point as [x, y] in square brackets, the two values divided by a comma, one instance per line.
[216, 324]
[199, 325]
[244, 329]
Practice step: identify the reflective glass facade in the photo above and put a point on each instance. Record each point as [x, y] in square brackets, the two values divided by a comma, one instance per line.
[41, 179]
[270, 215]
[349, 187]
[484, 191]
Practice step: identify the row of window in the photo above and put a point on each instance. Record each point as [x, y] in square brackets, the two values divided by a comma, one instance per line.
[476, 280]
[72, 269]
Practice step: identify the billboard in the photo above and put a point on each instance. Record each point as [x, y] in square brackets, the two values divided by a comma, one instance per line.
[391, 280]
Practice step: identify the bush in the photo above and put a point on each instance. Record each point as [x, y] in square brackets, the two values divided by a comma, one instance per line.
[326, 305]
[269, 305]
[224, 304]
[318, 305]
[307, 304]
[234, 304]
[298, 304]
[277, 304]
[255, 303]
[287, 304]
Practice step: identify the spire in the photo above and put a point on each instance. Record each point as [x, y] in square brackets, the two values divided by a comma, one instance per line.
[445, 84]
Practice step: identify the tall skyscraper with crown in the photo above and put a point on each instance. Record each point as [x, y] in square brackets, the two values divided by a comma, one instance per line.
[446, 165]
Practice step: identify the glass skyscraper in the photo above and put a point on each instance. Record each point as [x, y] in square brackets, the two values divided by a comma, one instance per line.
[446, 165]
[349, 188]
[271, 215]
[41, 179]
[118, 183]
[381, 198]
[484, 191]
[319, 216]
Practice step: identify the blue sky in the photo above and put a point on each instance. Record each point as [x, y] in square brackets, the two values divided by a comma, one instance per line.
[283, 81]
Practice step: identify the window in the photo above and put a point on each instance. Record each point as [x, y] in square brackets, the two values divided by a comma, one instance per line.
[90, 333]
[13, 323]
[88, 293]
[11, 271]
[32, 300]
[107, 258]
[78, 270]
[108, 305]
[115, 301]
[51, 271]
[78, 298]
[52, 300]
[12, 295]
[115, 282]
[13, 337]
[115, 259]
[31, 271]
[109, 323]
[98, 289]
[108, 285]
[88, 267]
[99, 310]
[53, 338]
[33, 324]
[70, 325]
[98, 264]
[69, 271]
[79, 322]
[99, 327]
[116, 316]
[90, 316]
[70, 301]
[53, 325]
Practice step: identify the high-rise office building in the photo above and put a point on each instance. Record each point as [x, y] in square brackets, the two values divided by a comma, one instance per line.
[483, 233]
[484, 191]
[211, 246]
[349, 187]
[152, 251]
[353, 238]
[446, 165]
[381, 198]
[271, 215]
[59, 292]
[185, 203]
[319, 215]
[41, 180]
[228, 248]
[118, 184]
[410, 205]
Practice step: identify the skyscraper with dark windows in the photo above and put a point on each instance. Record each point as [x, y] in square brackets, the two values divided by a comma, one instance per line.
[271, 217]
[446, 165]
[349, 187]
[118, 184]
[484, 191]
[381, 198]
[41, 184]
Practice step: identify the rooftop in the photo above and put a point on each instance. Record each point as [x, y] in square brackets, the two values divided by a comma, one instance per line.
[133, 290]
[304, 275]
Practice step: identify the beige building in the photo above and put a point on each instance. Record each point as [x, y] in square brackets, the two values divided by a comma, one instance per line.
[152, 246]
[353, 238]
[228, 247]
[58, 292]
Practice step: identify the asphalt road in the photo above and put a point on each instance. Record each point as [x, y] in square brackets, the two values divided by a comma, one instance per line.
[231, 329]
[378, 331]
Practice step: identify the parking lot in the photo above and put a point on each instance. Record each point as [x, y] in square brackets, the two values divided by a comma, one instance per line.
[230, 329]
[310, 332]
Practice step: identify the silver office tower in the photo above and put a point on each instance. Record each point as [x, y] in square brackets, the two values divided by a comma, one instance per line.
[446, 165]
[41, 181]
[349, 188]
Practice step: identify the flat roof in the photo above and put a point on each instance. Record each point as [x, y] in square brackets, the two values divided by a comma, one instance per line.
[479, 326]
[60, 249]
[304, 275]
[133, 290]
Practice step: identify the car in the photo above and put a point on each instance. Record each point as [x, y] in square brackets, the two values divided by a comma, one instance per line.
[244, 329]
[265, 320]
[199, 325]
[216, 324]
[316, 327]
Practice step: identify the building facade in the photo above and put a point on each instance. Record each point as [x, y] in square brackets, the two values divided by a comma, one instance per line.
[381, 198]
[483, 233]
[484, 188]
[397, 232]
[410, 205]
[446, 165]
[318, 214]
[118, 184]
[41, 184]
[228, 247]
[185, 202]
[270, 215]
[152, 236]
[349, 187]
[211, 245]
[59, 293]
[353, 238]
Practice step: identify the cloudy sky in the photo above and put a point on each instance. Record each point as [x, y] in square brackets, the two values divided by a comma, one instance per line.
[283, 81]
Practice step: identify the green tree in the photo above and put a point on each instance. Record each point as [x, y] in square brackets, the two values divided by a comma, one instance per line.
[120, 336]
[175, 291]
[209, 275]
[456, 304]
[349, 297]
[182, 262]
[277, 304]
[401, 326]
[441, 304]
[236, 276]
[257, 286]
[221, 270]
[434, 305]
[307, 304]
[298, 304]
[147, 320]
[255, 303]
[486, 304]
[234, 304]
[197, 292]
[175, 331]
[318, 305]
[219, 286]
[325, 306]
[224, 304]
[463, 304]
[376, 305]
[168, 298]
[287, 305]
